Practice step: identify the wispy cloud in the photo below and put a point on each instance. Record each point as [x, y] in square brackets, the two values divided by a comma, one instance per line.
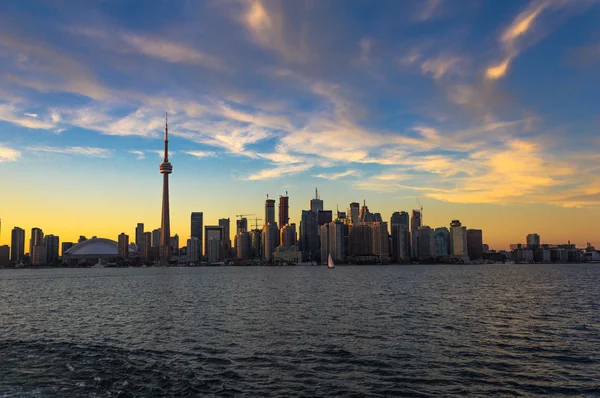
[279, 171]
[337, 176]
[428, 9]
[201, 154]
[72, 150]
[8, 154]
[139, 154]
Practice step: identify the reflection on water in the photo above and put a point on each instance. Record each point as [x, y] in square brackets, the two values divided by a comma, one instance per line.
[301, 331]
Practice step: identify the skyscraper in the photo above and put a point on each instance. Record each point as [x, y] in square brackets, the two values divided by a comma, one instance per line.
[196, 230]
[256, 242]
[36, 239]
[269, 211]
[309, 235]
[271, 239]
[475, 243]
[123, 245]
[139, 234]
[440, 242]
[213, 231]
[193, 249]
[165, 222]
[213, 249]
[400, 236]
[145, 246]
[353, 211]
[316, 204]
[4, 255]
[17, 245]
[226, 224]
[288, 235]
[52, 243]
[533, 241]
[458, 239]
[243, 245]
[241, 226]
[156, 237]
[415, 223]
[336, 241]
[284, 209]
[324, 238]
[66, 246]
[425, 234]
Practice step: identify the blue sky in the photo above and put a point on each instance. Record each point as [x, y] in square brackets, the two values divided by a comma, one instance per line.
[479, 103]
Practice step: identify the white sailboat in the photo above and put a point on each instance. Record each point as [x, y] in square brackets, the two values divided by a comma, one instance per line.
[330, 263]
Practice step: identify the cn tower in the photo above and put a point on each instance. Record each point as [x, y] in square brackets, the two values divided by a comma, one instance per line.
[165, 222]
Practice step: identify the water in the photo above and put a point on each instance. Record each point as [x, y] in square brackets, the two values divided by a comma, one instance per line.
[301, 331]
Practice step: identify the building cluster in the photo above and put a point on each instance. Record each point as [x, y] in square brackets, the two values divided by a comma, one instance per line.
[536, 252]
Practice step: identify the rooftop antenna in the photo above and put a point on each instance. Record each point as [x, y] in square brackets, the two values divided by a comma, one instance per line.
[421, 206]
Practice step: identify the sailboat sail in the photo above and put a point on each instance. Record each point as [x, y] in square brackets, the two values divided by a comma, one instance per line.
[330, 263]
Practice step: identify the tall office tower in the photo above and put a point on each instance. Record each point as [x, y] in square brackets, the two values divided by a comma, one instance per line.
[364, 215]
[139, 234]
[324, 217]
[17, 245]
[39, 255]
[309, 235]
[288, 235]
[243, 246]
[145, 246]
[271, 238]
[81, 239]
[193, 249]
[377, 217]
[475, 244]
[36, 239]
[4, 255]
[213, 249]
[440, 242]
[156, 237]
[225, 223]
[316, 204]
[213, 231]
[52, 243]
[353, 212]
[256, 242]
[174, 243]
[533, 241]
[381, 241]
[284, 210]
[324, 238]
[197, 229]
[415, 223]
[165, 222]
[66, 246]
[360, 240]
[458, 239]
[400, 236]
[425, 234]
[123, 245]
[336, 241]
[269, 211]
[241, 226]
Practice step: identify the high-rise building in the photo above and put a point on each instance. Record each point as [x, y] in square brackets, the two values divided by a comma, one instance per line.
[197, 229]
[145, 246]
[369, 239]
[309, 235]
[256, 238]
[174, 243]
[243, 245]
[271, 239]
[353, 212]
[213, 231]
[241, 226]
[324, 238]
[4, 255]
[39, 255]
[165, 222]
[123, 245]
[139, 234]
[415, 223]
[336, 241]
[424, 235]
[36, 239]
[316, 204]
[193, 249]
[52, 243]
[156, 237]
[475, 244]
[284, 210]
[400, 236]
[533, 241]
[225, 223]
[288, 235]
[381, 241]
[377, 217]
[458, 239]
[66, 246]
[364, 215]
[269, 211]
[17, 245]
[324, 216]
[213, 249]
[440, 242]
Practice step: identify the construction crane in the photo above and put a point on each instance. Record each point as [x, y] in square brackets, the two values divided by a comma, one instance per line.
[421, 206]
[256, 222]
[244, 215]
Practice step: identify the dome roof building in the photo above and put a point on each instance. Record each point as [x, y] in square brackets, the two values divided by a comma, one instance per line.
[92, 250]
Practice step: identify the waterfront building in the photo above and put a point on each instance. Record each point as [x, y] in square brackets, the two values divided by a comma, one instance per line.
[309, 235]
[324, 216]
[17, 245]
[533, 241]
[424, 239]
[4, 255]
[415, 223]
[174, 243]
[288, 235]
[458, 239]
[165, 223]
[213, 249]
[36, 239]
[90, 251]
[225, 223]
[353, 212]
[400, 230]
[269, 211]
[241, 226]
[39, 255]
[155, 238]
[193, 249]
[65, 246]
[271, 240]
[196, 230]
[324, 239]
[256, 242]
[316, 204]
[287, 255]
[369, 239]
[213, 231]
[335, 241]
[139, 234]
[52, 243]
[123, 248]
[475, 244]
[440, 242]
[284, 210]
[243, 246]
[145, 246]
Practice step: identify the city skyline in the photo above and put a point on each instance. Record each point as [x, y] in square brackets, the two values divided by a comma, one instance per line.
[497, 132]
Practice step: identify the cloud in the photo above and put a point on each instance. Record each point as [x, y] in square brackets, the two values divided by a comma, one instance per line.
[73, 150]
[10, 113]
[428, 9]
[279, 171]
[441, 66]
[337, 176]
[33, 115]
[201, 154]
[8, 154]
[139, 154]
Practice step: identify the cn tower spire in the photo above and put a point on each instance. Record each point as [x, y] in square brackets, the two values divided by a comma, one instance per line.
[165, 221]
[166, 137]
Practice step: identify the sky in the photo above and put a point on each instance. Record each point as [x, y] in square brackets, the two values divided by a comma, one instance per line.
[486, 111]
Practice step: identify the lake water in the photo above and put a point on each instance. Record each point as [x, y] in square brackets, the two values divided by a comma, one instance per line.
[423, 330]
